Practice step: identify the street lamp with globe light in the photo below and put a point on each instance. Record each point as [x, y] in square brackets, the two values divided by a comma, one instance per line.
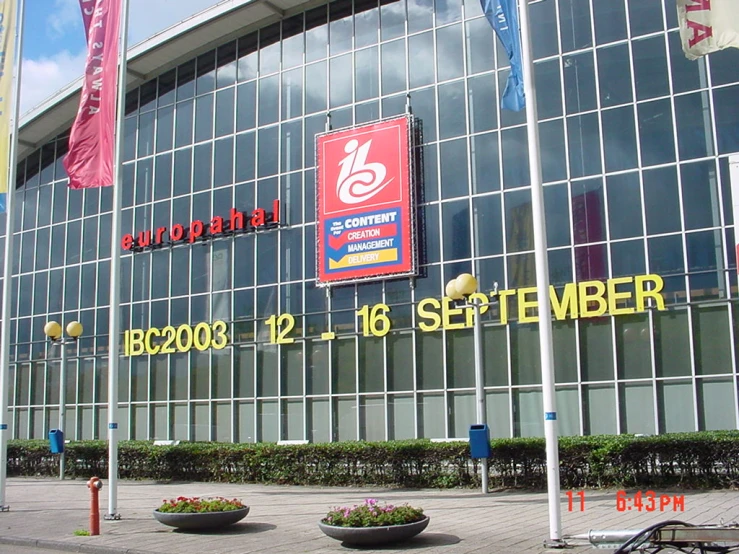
[461, 288]
[54, 331]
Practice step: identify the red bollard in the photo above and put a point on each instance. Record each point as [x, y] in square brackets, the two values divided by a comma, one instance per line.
[94, 484]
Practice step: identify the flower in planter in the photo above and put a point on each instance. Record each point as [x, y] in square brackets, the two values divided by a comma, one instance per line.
[199, 505]
[373, 514]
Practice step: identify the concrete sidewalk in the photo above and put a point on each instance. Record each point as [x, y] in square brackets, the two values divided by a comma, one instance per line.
[45, 513]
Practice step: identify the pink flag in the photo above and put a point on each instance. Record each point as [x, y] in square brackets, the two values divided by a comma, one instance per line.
[89, 162]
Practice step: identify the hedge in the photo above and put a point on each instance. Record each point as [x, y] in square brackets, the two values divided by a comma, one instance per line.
[688, 460]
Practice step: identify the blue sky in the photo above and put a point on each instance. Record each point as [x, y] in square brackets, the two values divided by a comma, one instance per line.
[54, 43]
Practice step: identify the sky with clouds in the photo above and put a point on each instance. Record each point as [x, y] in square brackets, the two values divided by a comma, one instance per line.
[54, 42]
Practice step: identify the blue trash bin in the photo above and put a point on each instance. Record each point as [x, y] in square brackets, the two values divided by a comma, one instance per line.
[56, 438]
[479, 441]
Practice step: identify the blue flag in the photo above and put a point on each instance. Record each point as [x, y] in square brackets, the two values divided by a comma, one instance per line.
[503, 17]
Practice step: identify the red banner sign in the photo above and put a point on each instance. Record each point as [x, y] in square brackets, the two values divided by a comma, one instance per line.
[89, 162]
[364, 202]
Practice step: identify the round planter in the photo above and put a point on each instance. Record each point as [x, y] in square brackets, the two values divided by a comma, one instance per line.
[201, 521]
[365, 536]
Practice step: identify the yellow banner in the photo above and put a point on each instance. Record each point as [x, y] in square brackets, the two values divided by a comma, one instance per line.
[7, 56]
[365, 258]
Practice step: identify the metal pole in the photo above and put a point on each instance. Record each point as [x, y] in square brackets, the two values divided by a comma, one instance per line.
[479, 384]
[542, 282]
[8, 267]
[114, 324]
[62, 401]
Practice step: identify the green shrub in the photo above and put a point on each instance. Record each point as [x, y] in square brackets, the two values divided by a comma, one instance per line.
[688, 460]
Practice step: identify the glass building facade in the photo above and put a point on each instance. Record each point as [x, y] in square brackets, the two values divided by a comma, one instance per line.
[634, 143]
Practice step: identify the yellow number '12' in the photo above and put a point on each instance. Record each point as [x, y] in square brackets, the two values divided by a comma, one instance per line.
[285, 322]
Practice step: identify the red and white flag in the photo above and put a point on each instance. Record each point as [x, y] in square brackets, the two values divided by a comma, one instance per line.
[89, 162]
[707, 26]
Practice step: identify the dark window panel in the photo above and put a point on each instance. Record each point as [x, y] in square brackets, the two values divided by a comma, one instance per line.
[614, 75]
[269, 49]
[340, 26]
[726, 111]
[548, 85]
[694, 128]
[519, 225]
[700, 195]
[205, 70]
[183, 123]
[619, 136]
[392, 19]
[552, 146]
[488, 225]
[650, 67]
[292, 41]
[485, 164]
[556, 204]
[480, 39]
[246, 106]
[656, 135]
[544, 28]
[165, 124]
[202, 167]
[575, 30]
[588, 212]
[223, 166]
[367, 22]
[450, 53]
[204, 117]
[340, 81]
[610, 21]
[148, 96]
[624, 205]
[392, 66]
[224, 112]
[515, 158]
[583, 135]
[454, 177]
[686, 74]
[163, 177]
[579, 75]
[186, 81]
[292, 93]
[316, 34]
[245, 152]
[628, 258]
[661, 200]
[226, 65]
[452, 120]
[166, 87]
[645, 16]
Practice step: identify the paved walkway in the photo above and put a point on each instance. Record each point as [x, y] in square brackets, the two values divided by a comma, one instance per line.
[45, 513]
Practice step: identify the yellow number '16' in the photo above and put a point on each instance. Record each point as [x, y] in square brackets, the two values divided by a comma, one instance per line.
[375, 322]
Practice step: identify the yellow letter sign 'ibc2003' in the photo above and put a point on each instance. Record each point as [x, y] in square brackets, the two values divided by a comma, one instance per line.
[170, 340]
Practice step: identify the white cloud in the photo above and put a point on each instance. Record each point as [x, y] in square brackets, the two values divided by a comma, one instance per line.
[43, 77]
[66, 17]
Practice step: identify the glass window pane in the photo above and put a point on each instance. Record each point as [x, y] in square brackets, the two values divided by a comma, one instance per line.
[676, 407]
[637, 408]
[599, 410]
[596, 350]
[656, 133]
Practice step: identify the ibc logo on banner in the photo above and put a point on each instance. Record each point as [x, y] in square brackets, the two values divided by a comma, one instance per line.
[368, 166]
[364, 202]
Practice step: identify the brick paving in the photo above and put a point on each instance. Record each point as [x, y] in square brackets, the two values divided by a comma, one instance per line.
[44, 513]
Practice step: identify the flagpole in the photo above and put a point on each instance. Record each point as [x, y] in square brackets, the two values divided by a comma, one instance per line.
[542, 283]
[8, 268]
[114, 333]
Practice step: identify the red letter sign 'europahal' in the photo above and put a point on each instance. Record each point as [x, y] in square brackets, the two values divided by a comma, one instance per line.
[365, 202]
